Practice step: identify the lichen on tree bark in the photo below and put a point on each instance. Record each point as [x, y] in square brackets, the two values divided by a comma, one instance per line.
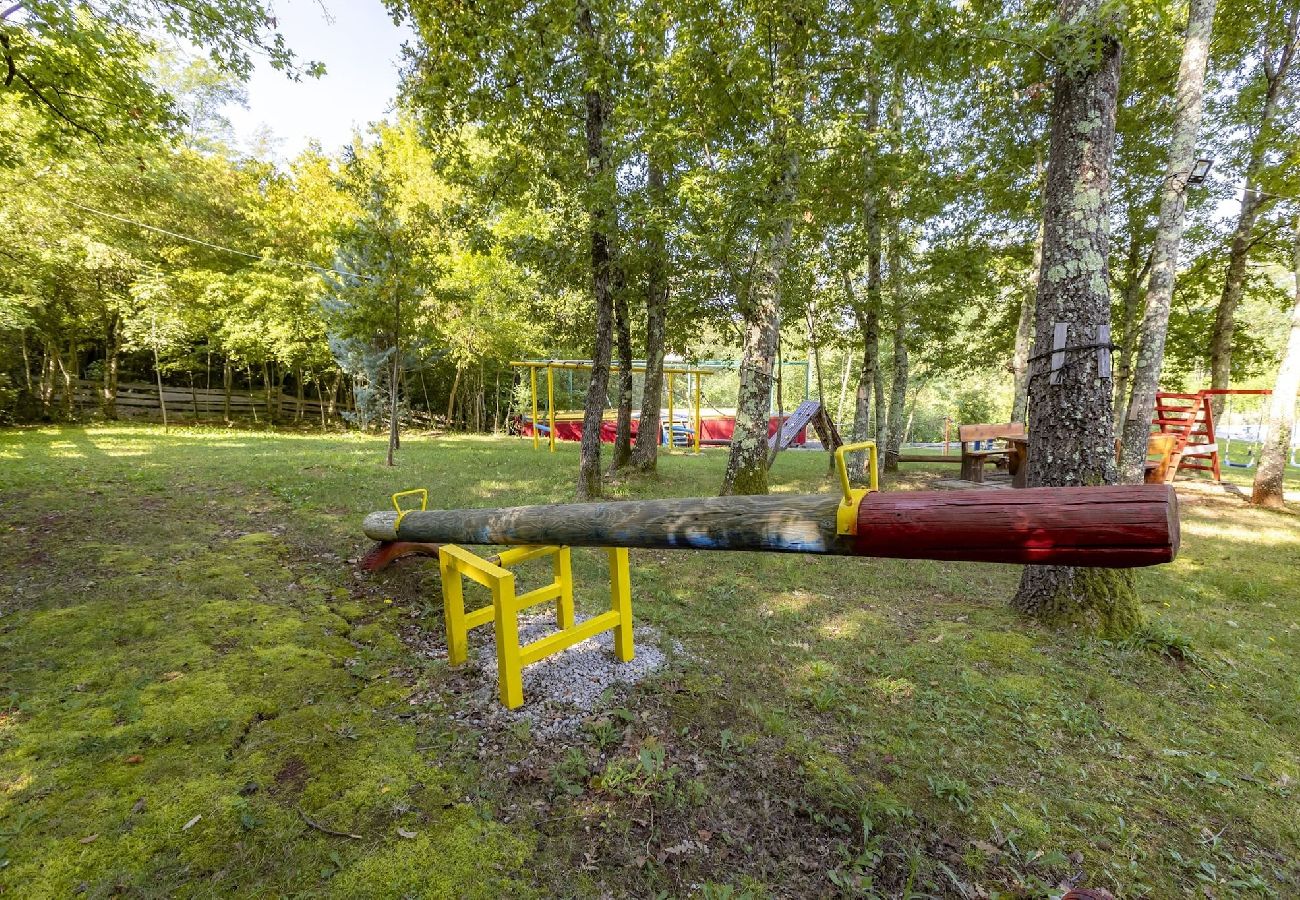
[1070, 420]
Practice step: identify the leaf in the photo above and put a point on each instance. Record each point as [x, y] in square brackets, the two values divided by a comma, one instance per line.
[89, 839]
[191, 823]
[409, 835]
[134, 758]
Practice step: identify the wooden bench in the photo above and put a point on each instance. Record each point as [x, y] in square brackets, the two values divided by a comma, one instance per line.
[973, 460]
[1164, 452]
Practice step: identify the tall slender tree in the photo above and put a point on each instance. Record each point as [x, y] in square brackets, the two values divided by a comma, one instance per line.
[1275, 442]
[1279, 47]
[1188, 101]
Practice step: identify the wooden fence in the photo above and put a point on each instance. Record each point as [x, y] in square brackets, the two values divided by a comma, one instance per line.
[140, 400]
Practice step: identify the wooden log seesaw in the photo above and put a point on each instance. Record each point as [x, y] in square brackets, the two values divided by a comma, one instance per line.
[1119, 526]
[1112, 527]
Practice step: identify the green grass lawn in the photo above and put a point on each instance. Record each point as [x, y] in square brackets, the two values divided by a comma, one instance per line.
[201, 698]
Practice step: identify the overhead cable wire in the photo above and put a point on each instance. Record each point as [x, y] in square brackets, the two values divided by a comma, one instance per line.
[194, 240]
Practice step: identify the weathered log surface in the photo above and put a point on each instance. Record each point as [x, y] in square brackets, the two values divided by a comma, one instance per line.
[782, 523]
[1124, 526]
[1120, 526]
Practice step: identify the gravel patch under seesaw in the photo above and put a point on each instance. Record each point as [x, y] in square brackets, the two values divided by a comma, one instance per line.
[561, 691]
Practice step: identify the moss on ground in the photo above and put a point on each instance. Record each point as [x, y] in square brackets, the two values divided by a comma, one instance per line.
[197, 690]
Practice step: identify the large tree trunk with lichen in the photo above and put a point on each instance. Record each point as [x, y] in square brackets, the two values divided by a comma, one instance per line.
[748, 458]
[1252, 202]
[1072, 437]
[1169, 234]
[601, 191]
[645, 454]
[1275, 442]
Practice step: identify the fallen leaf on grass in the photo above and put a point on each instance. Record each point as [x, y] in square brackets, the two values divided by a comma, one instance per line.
[171, 676]
[88, 839]
[409, 835]
[134, 758]
[191, 823]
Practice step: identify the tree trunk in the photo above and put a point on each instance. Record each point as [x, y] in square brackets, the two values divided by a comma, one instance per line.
[747, 462]
[602, 191]
[108, 393]
[1025, 325]
[1275, 442]
[301, 394]
[27, 363]
[622, 452]
[898, 386]
[1070, 422]
[645, 454]
[1252, 201]
[68, 372]
[266, 391]
[1169, 234]
[451, 398]
[1132, 311]
[162, 401]
[868, 317]
[395, 380]
[227, 384]
[1025, 336]
[320, 400]
[48, 368]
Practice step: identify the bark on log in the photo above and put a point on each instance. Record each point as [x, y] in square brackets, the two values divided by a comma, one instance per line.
[1112, 527]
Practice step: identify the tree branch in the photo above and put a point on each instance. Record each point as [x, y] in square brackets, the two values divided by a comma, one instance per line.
[31, 86]
[10, 11]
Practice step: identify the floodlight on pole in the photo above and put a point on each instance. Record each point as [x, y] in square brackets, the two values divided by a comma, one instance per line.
[1200, 171]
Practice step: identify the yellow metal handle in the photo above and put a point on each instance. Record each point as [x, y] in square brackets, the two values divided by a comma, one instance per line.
[846, 519]
[424, 503]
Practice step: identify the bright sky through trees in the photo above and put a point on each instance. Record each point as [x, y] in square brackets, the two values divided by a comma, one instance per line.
[359, 45]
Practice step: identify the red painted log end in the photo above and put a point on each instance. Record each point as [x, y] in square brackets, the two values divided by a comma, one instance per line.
[1119, 526]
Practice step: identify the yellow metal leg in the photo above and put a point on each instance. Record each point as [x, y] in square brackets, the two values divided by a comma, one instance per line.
[563, 562]
[550, 402]
[620, 601]
[532, 370]
[453, 610]
[510, 678]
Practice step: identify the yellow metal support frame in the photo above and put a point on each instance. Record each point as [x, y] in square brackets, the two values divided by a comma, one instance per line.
[457, 564]
[550, 366]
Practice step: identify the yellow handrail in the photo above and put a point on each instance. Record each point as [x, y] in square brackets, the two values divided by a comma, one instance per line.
[424, 504]
[846, 520]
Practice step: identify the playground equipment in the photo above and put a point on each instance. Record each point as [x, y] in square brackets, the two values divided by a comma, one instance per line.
[693, 374]
[1190, 418]
[1113, 527]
